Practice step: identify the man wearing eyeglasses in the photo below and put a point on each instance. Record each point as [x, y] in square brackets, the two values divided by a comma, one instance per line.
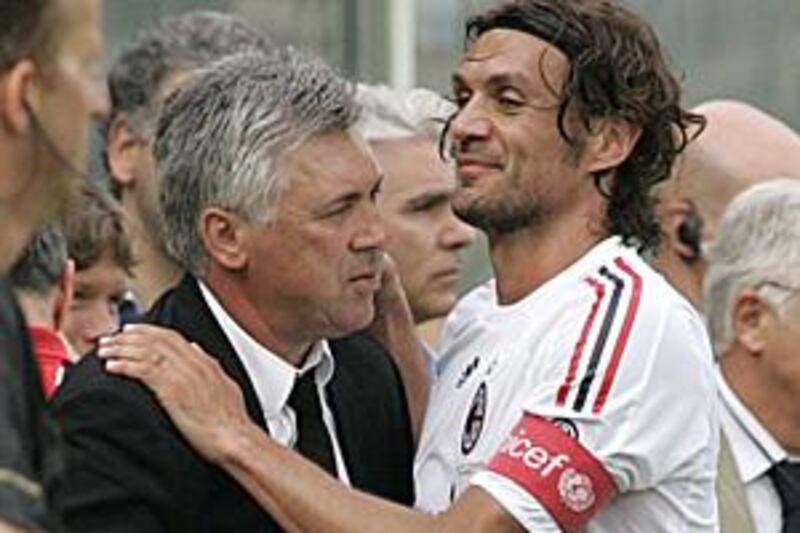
[752, 297]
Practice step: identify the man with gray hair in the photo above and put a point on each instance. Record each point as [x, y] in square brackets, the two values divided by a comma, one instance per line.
[269, 203]
[752, 297]
[423, 235]
[151, 67]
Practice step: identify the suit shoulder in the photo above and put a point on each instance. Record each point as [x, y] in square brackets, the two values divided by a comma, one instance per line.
[88, 381]
[363, 354]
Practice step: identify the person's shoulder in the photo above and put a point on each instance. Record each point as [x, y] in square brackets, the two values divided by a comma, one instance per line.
[476, 304]
[363, 355]
[88, 382]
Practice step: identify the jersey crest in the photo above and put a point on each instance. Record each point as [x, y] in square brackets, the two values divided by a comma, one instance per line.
[476, 418]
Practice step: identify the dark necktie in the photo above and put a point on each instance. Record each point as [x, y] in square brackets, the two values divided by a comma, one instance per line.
[786, 478]
[313, 440]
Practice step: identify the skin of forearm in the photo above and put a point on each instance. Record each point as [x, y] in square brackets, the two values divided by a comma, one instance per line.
[303, 498]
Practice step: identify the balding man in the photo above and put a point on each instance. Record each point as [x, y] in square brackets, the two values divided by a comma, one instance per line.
[740, 146]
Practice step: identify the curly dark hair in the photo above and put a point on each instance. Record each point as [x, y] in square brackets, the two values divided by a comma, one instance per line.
[617, 70]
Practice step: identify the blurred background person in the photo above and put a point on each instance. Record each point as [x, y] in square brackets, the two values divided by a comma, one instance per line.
[100, 247]
[423, 235]
[42, 279]
[752, 296]
[147, 70]
[740, 146]
[49, 53]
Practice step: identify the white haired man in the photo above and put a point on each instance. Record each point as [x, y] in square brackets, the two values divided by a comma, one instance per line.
[752, 298]
[423, 235]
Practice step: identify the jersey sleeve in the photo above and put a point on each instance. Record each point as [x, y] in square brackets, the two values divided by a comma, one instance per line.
[622, 398]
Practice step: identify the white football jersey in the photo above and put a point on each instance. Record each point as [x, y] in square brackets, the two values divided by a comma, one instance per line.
[589, 404]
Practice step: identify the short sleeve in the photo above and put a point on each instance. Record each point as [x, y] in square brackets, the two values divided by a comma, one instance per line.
[613, 410]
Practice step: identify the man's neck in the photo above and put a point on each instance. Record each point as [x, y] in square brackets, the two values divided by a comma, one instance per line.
[153, 273]
[775, 407]
[271, 331]
[526, 259]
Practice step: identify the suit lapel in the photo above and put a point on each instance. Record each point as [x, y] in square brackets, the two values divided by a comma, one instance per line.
[734, 513]
[188, 313]
[344, 402]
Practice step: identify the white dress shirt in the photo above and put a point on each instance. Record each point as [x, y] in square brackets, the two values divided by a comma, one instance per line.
[755, 451]
[273, 380]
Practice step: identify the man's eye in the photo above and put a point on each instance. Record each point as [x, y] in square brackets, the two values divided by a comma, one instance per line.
[507, 101]
[80, 296]
[337, 210]
[460, 98]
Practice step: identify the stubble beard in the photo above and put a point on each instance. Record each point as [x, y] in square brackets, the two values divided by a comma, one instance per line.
[517, 210]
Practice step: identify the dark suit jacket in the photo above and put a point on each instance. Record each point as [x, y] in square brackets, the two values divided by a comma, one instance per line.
[29, 452]
[128, 469]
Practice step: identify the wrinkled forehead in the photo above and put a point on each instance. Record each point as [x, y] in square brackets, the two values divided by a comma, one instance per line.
[332, 156]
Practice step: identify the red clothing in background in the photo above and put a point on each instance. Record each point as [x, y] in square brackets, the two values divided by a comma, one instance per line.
[51, 355]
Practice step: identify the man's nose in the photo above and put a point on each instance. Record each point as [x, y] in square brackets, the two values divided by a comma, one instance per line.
[471, 122]
[370, 234]
[456, 234]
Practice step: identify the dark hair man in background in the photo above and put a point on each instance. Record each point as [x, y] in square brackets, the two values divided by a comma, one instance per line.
[148, 69]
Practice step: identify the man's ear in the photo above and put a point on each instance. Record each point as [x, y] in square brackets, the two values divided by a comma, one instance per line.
[18, 94]
[609, 142]
[681, 227]
[751, 317]
[224, 236]
[122, 146]
[65, 294]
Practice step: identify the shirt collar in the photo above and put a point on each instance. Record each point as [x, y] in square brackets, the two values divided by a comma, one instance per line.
[272, 377]
[754, 449]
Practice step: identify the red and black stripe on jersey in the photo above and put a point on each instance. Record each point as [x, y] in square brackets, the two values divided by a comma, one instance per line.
[609, 282]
